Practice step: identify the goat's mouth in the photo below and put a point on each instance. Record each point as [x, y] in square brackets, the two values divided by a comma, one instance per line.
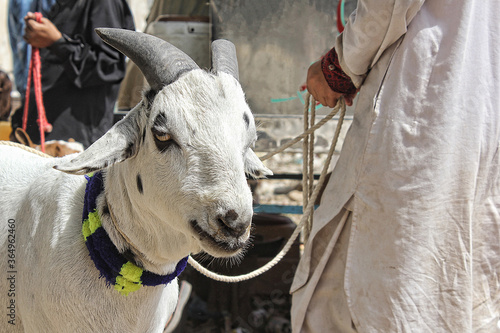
[217, 246]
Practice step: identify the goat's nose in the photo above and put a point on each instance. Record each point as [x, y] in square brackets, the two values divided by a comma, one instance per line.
[230, 216]
[230, 223]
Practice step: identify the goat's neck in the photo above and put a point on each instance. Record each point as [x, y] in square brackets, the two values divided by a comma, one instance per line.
[132, 228]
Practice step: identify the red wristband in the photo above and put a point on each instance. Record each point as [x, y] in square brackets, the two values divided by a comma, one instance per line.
[337, 80]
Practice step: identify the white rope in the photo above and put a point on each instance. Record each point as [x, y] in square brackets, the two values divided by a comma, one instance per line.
[303, 135]
[308, 175]
[306, 157]
[27, 148]
[307, 212]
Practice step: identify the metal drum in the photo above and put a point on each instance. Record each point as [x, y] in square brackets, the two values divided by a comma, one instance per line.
[191, 34]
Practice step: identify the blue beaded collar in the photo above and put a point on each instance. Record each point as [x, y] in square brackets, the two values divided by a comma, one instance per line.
[118, 271]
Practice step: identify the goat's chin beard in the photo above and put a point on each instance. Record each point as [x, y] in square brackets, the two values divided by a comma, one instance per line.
[232, 247]
[223, 252]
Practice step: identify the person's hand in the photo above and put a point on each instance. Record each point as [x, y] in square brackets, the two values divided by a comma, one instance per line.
[42, 34]
[320, 90]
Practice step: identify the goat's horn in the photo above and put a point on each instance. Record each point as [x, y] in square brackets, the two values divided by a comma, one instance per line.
[224, 58]
[159, 61]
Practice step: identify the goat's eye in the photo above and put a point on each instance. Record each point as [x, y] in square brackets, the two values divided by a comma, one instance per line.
[163, 137]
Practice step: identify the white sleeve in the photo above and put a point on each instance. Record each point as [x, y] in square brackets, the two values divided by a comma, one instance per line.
[372, 28]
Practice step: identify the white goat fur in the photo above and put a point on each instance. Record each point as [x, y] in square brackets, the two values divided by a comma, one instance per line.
[57, 286]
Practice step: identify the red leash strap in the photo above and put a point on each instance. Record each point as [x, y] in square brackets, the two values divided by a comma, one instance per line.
[35, 71]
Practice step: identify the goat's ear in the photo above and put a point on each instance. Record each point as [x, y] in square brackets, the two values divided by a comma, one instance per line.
[254, 166]
[116, 145]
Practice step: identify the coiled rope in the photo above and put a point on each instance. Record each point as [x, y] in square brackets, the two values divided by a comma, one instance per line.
[310, 201]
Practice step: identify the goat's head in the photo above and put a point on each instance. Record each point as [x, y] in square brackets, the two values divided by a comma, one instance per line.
[186, 147]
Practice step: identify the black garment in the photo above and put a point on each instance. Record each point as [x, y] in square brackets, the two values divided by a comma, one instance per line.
[80, 73]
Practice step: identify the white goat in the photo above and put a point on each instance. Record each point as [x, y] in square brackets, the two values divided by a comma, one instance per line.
[174, 183]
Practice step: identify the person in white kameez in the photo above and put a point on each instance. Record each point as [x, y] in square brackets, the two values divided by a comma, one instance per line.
[417, 179]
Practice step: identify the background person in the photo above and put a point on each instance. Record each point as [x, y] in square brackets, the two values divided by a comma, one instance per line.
[80, 73]
[20, 48]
